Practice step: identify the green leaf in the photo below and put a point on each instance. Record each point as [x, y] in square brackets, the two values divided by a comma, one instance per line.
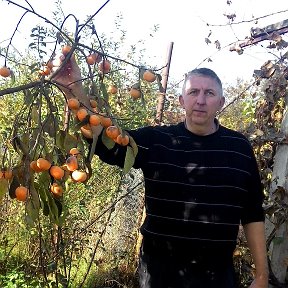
[35, 114]
[29, 97]
[53, 208]
[129, 160]
[32, 212]
[104, 92]
[48, 203]
[108, 142]
[49, 125]
[34, 197]
[60, 139]
[70, 141]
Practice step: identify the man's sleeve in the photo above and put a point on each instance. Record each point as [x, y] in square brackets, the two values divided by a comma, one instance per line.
[116, 155]
[253, 210]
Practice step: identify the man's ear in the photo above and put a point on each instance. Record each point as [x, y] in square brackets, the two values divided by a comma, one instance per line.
[181, 101]
[222, 102]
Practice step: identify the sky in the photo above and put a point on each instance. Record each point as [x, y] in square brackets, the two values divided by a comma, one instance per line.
[183, 22]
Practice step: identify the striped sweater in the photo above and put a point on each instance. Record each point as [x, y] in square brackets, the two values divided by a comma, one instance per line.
[198, 189]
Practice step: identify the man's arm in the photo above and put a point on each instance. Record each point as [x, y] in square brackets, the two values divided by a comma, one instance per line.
[255, 235]
[68, 78]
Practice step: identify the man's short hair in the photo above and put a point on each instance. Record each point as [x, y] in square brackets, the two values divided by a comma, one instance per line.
[206, 72]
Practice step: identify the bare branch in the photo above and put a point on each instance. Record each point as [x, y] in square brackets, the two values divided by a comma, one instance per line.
[246, 21]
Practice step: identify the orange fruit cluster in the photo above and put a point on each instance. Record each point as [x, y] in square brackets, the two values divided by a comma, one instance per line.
[113, 132]
[82, 114]
[69, 168]
[93, 58]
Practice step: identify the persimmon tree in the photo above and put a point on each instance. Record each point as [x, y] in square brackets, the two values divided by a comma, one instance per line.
[46, 150]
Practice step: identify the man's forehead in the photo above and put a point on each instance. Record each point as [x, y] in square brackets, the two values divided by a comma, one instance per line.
[196, 81]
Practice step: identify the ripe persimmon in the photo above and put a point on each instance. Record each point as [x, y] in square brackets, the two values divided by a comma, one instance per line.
[112, 131]
[81, 114]
[94, 120]
[66, 49]
[90, 59]
[105, 121]
[74, 151]
[5, 71]
[34, 167]
[56, 172]
[135, 93]
[72, 163]
[73, 103]
[43, 164]
[79, 176]
[45, 71]
[112, 89]
[21, 193]
[149, 76]
[104, 66]
[122, 140]
[93, 103]
[56, 189]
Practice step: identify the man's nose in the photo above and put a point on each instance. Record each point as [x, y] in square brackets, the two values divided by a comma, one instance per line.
[201, 99]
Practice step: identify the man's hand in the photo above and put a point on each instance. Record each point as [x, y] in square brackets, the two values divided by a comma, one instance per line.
[68, 77]
[68, 73]
[255, 235]
[259, 282]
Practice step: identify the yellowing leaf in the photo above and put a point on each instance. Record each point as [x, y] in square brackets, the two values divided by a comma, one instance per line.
[133, 145]
[259, 132]
[129, 160]
[60, 137]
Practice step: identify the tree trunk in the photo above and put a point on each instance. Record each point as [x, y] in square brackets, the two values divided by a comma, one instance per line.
[278, 190]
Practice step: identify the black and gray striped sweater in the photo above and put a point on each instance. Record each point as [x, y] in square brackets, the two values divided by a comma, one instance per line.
[198, 189]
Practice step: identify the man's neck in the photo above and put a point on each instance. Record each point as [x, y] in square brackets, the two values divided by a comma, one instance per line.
[202, 130]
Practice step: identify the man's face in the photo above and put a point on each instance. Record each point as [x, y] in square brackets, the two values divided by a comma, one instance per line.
[201, 99]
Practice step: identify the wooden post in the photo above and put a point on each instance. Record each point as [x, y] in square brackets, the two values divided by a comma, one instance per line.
[163, 86]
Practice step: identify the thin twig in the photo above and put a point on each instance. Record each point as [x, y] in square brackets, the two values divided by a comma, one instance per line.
[246, 21]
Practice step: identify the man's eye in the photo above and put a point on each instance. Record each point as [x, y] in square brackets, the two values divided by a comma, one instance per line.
[192, 92]
[210, 93]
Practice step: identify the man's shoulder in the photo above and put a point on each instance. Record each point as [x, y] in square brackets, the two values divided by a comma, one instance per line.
[231, 133]
[173, 128]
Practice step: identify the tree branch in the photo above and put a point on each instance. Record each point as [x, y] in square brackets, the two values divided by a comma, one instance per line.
[20, 88]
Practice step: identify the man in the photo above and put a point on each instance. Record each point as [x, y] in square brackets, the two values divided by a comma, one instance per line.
[201, 182]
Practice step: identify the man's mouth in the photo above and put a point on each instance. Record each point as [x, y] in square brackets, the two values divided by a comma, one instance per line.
[199, 111]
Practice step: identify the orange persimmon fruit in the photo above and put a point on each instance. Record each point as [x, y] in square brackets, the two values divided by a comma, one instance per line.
[21, 193]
